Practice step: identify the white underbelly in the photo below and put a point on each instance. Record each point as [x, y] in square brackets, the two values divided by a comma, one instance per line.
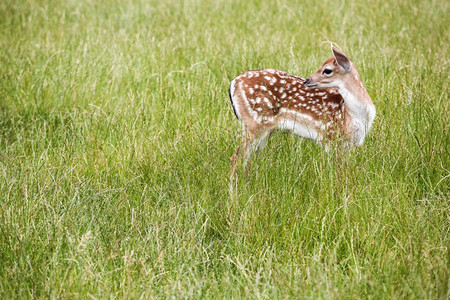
[299, 129]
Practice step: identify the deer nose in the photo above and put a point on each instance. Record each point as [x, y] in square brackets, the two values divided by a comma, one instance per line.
[307, 80]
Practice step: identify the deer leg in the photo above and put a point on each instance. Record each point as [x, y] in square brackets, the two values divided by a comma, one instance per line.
[257, 143]
[243, 150]
[250, 142]
[234, 159]
[263, 140]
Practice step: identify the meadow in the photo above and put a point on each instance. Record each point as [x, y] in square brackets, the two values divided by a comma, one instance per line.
[116, 131]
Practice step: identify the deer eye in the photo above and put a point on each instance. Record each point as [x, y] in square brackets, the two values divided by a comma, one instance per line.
[327, 71]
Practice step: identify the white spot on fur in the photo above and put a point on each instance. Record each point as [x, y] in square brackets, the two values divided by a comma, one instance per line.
[269, 104]
[333, 105]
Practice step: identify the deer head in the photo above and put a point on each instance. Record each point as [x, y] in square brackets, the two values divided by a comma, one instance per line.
[336, 70]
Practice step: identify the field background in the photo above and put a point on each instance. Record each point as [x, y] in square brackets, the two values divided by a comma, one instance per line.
[116, 132]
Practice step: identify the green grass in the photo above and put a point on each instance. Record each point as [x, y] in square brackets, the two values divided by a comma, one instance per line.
[116, 131]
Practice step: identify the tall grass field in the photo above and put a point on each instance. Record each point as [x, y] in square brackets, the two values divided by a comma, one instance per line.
[116, 130]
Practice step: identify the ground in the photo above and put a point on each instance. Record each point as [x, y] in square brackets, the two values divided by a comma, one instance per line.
[116, 132]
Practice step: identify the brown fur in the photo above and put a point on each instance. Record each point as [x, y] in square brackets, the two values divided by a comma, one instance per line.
[265, 97]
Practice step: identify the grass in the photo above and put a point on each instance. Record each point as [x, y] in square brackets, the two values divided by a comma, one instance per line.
[115, 134]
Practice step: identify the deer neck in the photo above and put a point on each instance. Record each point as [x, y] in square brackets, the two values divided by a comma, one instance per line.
[359, 106]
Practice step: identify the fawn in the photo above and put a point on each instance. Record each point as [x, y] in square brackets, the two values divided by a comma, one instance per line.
[330, 104]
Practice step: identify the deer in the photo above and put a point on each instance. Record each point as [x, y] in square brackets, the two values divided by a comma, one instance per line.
[331, 104]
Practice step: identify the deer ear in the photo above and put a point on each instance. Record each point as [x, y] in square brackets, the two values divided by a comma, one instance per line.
[342, 60]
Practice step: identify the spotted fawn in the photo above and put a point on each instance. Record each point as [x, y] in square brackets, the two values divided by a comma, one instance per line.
[330, 104]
